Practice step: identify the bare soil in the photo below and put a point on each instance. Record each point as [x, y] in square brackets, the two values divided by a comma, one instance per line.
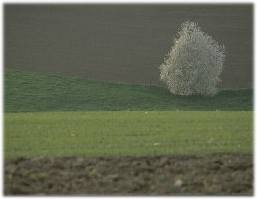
[225, 174]
[122, 43]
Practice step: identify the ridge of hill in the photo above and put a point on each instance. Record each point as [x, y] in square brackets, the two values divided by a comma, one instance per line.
[35, 92]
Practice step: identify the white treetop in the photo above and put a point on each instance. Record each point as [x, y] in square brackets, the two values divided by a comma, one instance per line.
[194, 63]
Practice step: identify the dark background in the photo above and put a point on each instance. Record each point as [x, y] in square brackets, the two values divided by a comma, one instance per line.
[124, 43]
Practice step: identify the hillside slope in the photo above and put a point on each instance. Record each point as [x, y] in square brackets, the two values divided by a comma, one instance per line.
[29, 92]
[123, 42]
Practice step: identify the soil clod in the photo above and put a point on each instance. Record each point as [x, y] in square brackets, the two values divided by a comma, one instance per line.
[157, 175]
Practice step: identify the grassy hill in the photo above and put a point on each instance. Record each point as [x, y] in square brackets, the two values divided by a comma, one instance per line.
[30, 92]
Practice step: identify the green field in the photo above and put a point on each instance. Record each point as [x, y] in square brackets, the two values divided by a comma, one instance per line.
[54, 115]
[33, 92]
[127, 133]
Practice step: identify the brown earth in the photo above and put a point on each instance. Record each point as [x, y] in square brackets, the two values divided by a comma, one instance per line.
[160, 175]
[122, 43]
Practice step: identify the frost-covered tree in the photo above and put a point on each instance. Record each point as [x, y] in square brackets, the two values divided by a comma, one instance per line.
[194, 63]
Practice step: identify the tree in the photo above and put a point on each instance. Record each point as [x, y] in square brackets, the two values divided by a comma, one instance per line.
[194, 63]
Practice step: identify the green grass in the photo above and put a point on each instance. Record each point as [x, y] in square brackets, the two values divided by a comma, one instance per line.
[127, 133]
[119, 119]
[33, 92]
